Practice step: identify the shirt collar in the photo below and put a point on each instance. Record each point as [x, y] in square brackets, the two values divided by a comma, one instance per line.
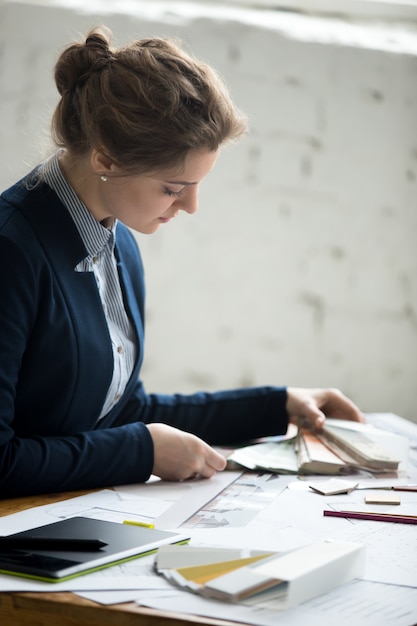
[94, 235]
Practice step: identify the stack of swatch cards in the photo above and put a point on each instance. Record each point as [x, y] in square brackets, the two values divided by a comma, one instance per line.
[339, 447]
[268, 580]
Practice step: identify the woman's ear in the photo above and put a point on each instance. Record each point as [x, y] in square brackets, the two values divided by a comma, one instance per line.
[100, 163]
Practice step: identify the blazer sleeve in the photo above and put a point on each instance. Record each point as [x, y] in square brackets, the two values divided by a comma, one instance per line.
[228, 417]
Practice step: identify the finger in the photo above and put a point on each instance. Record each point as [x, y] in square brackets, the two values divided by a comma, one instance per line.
[216, 460]
[313, 415]
[206, 472]
[213, 462]
[343, 407]
[317, 419]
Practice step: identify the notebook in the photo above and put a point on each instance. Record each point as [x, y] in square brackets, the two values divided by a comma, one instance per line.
[123, 542]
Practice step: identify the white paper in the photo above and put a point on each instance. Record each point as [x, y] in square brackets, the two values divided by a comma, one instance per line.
[103, 505]
[358, 603]
[391, 550]
[395, 424]
[183, 498]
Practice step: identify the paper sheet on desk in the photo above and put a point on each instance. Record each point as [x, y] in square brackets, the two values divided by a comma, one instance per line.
[96, 582]
[395, 424]
[361, 603]
[120, 597]
[103, 505]
[183, 499]
[391, 549]
[358, 603]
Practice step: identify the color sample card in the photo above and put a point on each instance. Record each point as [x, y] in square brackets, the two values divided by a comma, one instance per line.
[383, 498]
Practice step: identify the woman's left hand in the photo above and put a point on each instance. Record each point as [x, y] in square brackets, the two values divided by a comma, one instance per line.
[313, 405]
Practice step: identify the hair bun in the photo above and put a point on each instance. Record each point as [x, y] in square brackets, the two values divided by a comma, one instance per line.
[144, 105]
[80, 60]
[100, 38]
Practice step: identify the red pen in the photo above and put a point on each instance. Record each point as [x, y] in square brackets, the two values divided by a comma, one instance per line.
[375, 517]
[393, 487]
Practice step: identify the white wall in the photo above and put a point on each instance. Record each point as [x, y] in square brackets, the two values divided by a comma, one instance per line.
[300, 267]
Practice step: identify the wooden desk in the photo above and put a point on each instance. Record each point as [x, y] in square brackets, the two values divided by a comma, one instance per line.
[67, 609]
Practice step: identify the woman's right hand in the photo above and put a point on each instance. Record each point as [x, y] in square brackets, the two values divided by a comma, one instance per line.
[179, 455]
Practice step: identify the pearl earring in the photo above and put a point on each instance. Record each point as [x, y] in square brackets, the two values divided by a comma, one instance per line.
[103, 178]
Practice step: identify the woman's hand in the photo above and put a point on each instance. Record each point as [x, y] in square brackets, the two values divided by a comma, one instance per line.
[179, 455]
[313, 405]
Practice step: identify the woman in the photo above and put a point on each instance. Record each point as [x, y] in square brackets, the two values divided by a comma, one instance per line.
[136, 129]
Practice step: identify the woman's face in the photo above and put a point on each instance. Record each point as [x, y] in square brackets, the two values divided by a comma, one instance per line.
[145, 201]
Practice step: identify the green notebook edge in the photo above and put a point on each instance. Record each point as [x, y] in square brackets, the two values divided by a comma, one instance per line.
[91, 570]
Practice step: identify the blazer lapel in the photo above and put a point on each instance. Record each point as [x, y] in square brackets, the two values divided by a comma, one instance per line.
[64, 249]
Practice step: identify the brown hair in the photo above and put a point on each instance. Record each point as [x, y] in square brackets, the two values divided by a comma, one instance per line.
[145, 105]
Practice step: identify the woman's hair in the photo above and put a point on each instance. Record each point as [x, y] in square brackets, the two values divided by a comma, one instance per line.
[144, 106]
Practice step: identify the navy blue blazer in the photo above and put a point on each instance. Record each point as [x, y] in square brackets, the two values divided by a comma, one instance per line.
[56, 364]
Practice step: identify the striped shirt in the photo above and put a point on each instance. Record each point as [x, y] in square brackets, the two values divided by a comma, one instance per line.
[99, 243]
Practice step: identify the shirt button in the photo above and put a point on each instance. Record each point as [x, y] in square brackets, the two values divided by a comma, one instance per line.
[95, 259]
[120, 349]
[117, 398]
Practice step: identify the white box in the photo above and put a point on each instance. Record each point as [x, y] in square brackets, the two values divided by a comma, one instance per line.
[291, 578]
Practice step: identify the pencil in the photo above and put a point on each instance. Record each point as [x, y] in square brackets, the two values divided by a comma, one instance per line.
[375, 517]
